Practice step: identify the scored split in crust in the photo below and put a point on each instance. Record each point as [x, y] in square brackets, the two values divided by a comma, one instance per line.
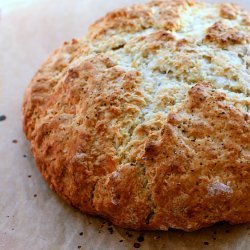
[145, 121]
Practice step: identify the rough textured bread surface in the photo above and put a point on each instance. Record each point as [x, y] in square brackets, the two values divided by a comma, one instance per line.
[145, 120]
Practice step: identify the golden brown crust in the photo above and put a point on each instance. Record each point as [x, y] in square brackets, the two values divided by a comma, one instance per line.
[200, 154]
[246, 20]
[139, 17]
[228, 11]
[132, 19]
[145, 121]
[223, 35]
[168, 16]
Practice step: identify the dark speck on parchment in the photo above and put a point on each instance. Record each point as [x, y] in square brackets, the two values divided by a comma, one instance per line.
[137, 245]
[2, 118]
[140, 238]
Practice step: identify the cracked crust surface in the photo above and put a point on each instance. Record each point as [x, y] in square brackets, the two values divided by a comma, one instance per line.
[145, 120]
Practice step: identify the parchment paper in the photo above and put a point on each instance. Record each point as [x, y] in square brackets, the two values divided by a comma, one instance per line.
[31, 215]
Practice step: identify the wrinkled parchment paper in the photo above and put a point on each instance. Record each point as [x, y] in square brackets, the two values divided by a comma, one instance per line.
[31, 215]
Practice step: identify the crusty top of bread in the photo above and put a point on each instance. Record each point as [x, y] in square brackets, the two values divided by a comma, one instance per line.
[145, 120]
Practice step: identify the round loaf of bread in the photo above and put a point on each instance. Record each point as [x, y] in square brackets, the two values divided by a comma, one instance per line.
[145, 121]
